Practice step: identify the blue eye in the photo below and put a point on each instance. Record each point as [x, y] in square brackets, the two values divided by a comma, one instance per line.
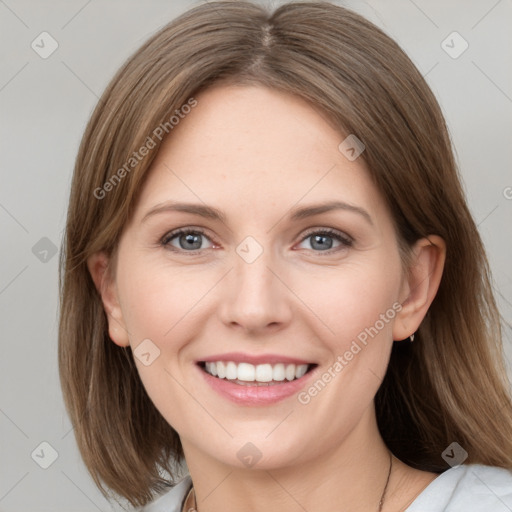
[323, 240]
[189, 240]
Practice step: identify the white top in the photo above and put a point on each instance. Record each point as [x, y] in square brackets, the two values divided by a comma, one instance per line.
[464, 488]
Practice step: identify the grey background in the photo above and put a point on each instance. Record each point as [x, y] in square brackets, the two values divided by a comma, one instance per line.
[45, 104]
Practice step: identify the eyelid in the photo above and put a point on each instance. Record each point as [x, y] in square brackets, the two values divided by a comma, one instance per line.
[329, 231]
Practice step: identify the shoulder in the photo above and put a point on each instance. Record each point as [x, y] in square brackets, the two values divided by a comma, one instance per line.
[472, 487]
[172, 500]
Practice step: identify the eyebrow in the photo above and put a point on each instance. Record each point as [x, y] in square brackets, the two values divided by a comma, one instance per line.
[210, 212]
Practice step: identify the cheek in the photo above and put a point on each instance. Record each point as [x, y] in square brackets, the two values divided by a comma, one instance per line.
[149, 310]
[158, 305]
[353, 300]
[158, 300]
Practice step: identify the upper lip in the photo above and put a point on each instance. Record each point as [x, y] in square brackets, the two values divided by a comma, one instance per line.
[239, 357]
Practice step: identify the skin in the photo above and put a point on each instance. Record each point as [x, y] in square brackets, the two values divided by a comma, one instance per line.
[256, 154]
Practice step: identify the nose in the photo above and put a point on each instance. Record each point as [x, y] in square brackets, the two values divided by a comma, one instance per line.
[256, 298]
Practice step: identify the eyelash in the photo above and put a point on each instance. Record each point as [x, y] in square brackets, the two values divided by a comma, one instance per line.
[345, 240]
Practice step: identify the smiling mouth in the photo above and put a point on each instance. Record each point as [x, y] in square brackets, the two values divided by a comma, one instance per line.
[246, 374]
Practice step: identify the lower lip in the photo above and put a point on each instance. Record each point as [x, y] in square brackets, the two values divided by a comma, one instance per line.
[255, 395]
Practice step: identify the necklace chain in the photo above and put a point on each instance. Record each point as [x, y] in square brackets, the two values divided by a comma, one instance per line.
[381, 501]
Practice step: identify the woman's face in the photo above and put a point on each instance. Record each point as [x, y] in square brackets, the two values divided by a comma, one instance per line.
[264, 276]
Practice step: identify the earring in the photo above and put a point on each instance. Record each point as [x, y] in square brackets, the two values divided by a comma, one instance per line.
[411, 337]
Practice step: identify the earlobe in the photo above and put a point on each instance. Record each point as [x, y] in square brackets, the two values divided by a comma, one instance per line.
[421, 285]
[98, 265]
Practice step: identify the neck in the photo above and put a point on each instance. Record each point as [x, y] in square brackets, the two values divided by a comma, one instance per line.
[351, 476]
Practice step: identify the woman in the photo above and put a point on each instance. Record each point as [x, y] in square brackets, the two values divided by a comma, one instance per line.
[270, 274]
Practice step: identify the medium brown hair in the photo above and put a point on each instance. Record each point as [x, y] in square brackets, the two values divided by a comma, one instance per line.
[449, 385]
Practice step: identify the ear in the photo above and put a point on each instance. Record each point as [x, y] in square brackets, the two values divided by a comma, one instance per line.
[105, 284]
[421, 285]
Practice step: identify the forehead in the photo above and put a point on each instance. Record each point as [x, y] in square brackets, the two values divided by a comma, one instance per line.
[246, 147]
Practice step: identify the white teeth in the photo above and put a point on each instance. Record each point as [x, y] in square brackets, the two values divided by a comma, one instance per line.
[301, 370]
[255, 373]
[231, 371]
[278, 372]
[221, 370]
[264, 373]
[211, 368]
[290, 372]
[246, 372]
